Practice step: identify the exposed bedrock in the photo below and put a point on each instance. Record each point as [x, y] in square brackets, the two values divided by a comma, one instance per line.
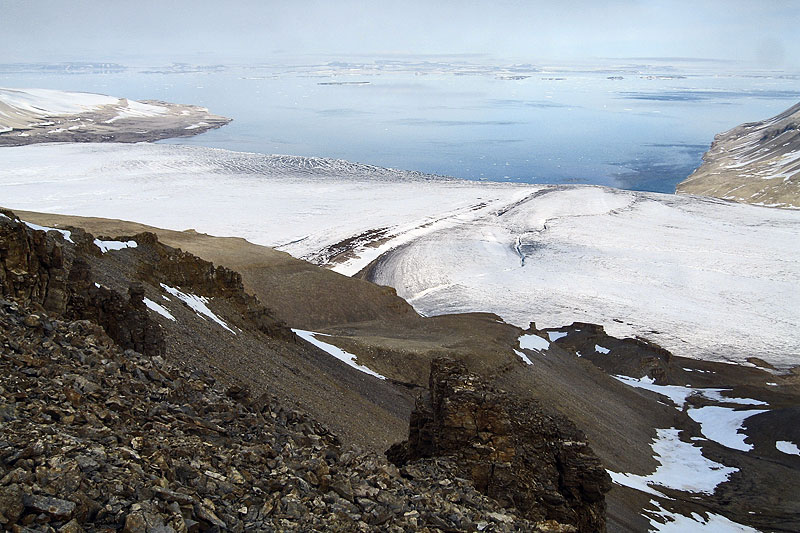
[756, 163]
[37, 270]
[512, 450]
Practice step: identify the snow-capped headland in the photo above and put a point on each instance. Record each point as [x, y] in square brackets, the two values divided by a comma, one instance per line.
[756, 163]
[30, 116]
[703, 278]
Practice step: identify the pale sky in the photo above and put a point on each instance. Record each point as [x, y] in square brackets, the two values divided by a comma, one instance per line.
[760, 32]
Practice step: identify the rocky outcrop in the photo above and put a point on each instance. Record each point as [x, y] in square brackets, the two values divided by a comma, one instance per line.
[512, 450]
[177, 268]
[36, 269]
[97, 439]
[32, 265]
[635, 357]
[757, 163]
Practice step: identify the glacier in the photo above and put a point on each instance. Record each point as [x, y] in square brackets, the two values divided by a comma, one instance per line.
[702, 277]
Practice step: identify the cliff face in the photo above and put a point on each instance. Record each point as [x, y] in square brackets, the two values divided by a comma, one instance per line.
[756, 163]
[525, 458]
[36, 269]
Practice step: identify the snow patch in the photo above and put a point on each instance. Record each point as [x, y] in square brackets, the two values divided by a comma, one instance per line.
[47, 102]
[198, 304]
[682, 467]
[555, 335]
[523, 357]
[106, 246]
[678, 523]
[600, 349]
[533, 342]
[160, 309]
[722, 425]
[787, 447]
[66, 234]
[678, 393]
[338, 353]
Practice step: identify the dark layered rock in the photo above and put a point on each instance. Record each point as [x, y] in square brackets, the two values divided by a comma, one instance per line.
[635, 357]
[177, 268]
[37, 269]
[32, 265]
[512, 450]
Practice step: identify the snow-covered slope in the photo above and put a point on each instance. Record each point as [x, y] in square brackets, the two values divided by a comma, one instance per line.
[18, 107]
[702, 277]
[45, 115]
[757, 163]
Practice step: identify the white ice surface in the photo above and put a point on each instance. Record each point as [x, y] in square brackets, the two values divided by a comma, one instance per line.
[335, 351]
[787, 447]
[715, 280]
[682, 467]
[199, 304]
[678, 523]
[106, 246]
[600, 349]
[722, 425]
[160, 309]
[533, 342]
[555, 335]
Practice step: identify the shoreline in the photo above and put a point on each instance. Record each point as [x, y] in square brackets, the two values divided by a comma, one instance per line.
[34, 116]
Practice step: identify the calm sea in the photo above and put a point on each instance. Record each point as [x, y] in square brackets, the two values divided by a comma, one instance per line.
[640, 125]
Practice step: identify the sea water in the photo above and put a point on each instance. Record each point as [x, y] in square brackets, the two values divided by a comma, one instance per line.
[633, 124]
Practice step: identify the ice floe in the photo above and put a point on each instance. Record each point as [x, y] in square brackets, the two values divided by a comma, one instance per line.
[198, 304]
[335, 351]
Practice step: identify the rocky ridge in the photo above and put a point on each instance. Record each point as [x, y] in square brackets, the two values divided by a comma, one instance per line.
[100, 437]
[756, 163]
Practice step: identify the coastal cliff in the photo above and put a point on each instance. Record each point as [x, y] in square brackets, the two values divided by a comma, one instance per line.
[756, 163]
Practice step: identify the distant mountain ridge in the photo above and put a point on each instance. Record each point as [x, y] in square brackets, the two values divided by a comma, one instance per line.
[756, 163]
